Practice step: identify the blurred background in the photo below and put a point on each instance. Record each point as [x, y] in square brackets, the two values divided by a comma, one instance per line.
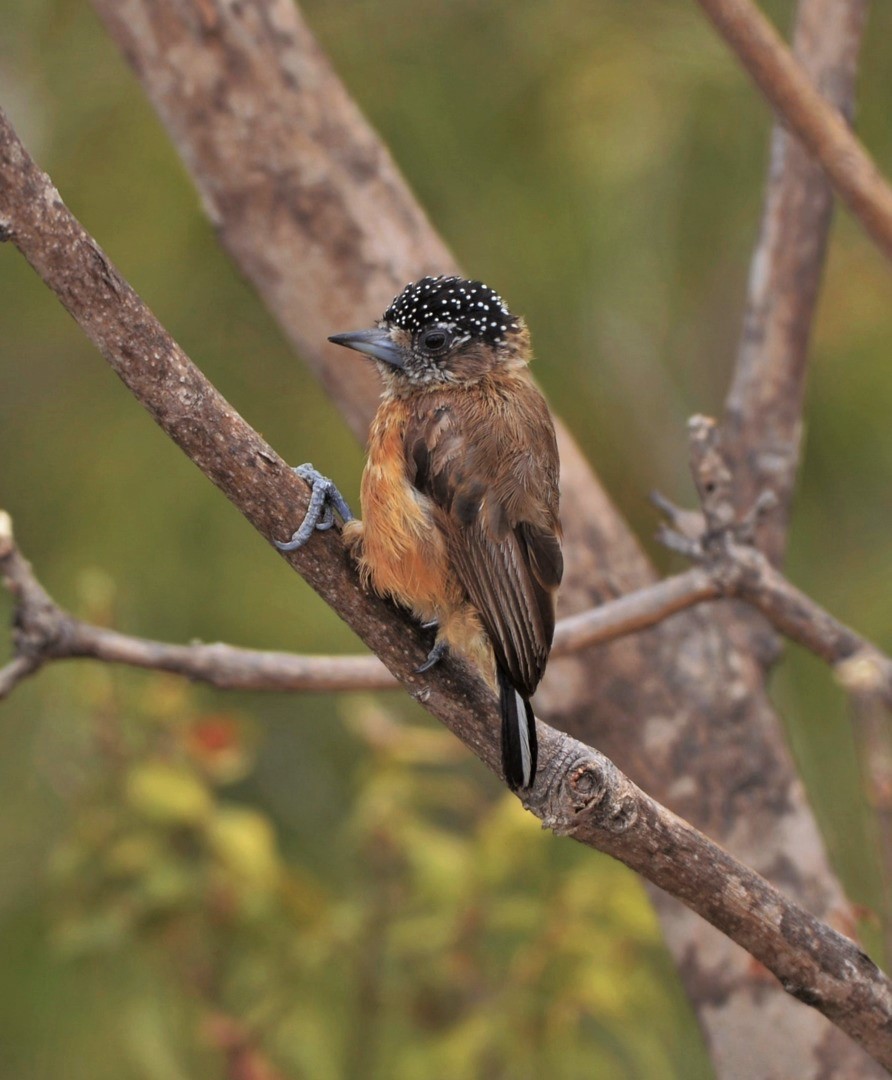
[332, 879]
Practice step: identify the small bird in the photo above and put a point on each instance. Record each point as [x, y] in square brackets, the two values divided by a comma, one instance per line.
[460, 493]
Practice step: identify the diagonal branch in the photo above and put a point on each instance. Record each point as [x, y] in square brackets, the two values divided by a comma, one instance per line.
[579, 792]
[800, 106]
[217, 440]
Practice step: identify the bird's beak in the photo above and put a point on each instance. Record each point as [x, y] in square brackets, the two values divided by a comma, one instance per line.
[375, 343]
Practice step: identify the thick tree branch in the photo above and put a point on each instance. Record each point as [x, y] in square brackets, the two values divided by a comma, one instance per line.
[579, 792]
[606, 806]
[800, 106]
[762, 427]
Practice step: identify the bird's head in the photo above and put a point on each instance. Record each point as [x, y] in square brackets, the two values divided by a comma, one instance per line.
[442, 330]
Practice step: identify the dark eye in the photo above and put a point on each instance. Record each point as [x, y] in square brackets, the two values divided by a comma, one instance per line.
[434, 340]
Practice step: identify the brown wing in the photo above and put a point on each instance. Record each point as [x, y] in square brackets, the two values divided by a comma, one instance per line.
[491, 473]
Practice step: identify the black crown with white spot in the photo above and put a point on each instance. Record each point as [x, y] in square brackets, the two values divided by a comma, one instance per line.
[469, 306]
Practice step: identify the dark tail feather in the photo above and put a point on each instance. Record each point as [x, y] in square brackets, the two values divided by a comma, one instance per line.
[519, 748]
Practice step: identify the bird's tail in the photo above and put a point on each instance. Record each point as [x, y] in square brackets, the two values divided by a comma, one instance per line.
[519, 747]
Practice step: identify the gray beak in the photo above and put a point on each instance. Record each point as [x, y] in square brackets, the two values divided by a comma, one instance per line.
[375, 343]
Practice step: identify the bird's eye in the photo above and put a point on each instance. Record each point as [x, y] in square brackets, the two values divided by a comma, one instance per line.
[434, 340]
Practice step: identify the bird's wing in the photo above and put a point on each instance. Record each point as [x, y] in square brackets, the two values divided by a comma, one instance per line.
[492, 477]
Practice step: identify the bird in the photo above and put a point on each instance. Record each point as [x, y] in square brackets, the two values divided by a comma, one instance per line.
[460, 493]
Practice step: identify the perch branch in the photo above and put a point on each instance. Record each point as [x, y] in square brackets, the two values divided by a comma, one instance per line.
[799, 105]
[578, 792]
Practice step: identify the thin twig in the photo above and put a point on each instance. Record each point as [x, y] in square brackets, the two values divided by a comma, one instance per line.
[633, 612]
[578, 791]
[45, 632]
[799, 105]
[17, 670]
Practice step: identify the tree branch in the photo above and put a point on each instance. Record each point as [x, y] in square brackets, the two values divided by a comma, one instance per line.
[762, 427]
[724, 549]
[799, 105]
[579, 792]
[44, 632]
[725, 552]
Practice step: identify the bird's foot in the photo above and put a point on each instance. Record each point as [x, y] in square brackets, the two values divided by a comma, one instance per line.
[325, 502]
[433, 657]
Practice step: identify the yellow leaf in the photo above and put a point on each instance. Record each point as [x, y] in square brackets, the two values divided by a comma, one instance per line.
[245, 844]
[168, 794]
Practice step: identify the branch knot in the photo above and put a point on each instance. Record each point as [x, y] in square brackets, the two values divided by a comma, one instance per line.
[716, 537]
[595, 788]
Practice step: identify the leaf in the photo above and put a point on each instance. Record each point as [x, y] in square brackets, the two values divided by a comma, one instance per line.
[167, 794]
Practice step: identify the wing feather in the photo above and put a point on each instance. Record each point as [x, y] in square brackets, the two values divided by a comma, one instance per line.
[496, 504]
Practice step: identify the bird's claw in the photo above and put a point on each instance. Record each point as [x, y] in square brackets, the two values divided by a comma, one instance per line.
[325, 502]
[433, 657]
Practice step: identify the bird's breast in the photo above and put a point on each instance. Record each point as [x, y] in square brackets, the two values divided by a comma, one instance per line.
[403, 551]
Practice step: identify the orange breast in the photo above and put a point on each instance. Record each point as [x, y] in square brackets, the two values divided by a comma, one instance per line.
[403, 553]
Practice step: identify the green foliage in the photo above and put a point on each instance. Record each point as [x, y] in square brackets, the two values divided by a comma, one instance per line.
[466, 941]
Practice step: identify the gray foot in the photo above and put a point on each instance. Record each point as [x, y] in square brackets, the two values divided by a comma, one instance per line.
[433, 657]
[325, 502]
